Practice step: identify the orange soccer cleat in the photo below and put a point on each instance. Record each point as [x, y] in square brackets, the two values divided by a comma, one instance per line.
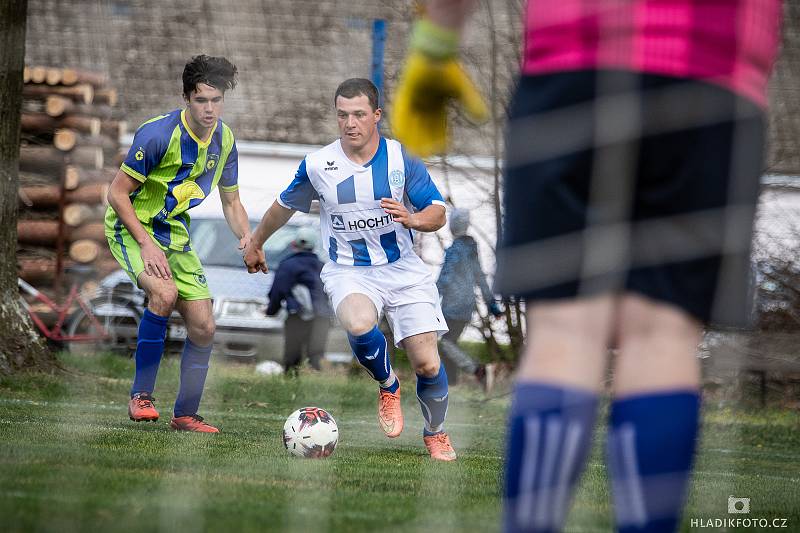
[192, 423]
[439, 447]
[390, 415]
[140, 408]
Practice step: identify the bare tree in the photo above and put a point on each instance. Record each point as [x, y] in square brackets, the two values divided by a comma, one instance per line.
[496, 66]
[776, 261]
[20, 346]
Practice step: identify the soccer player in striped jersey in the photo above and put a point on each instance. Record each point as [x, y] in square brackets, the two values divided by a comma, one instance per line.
[174, 163]
[632, 168]
[373, 196]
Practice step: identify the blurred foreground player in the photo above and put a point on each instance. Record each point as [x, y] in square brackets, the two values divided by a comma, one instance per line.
[174, 163]
[372, 195]
[634, 153]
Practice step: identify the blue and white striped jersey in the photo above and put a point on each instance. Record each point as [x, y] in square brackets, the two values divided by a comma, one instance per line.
[355, 229]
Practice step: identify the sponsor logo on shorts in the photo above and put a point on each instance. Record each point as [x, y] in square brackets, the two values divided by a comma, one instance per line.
[370, 219]
[200, 277]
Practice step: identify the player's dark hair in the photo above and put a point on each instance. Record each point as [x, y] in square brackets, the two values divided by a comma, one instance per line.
[357, 87]
[217, 72]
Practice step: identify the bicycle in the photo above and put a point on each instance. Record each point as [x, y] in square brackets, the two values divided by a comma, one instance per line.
[107, 322]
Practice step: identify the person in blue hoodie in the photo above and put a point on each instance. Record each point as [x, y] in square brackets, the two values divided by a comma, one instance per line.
[461, 273]
[298, 288]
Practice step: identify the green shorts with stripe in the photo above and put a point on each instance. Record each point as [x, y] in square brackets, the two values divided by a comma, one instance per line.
[187, 271]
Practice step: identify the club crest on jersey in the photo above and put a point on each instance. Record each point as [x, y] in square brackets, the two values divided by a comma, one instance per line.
[331, 165]
[397, 178]
[337, 222]
[212, 161]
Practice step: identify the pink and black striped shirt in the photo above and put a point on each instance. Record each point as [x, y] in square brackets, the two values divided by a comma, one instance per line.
[732, 43]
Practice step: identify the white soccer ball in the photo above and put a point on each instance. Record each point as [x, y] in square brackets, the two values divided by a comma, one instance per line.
[310, 432]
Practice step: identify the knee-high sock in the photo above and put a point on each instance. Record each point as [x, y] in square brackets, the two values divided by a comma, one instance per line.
[651, 443]
[149, 347]
[432, 396]
[371, 351]
[550, 436]
[194, 368]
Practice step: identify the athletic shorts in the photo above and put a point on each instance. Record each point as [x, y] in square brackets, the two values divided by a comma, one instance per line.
[404, 290]
[187, 272]
[619, 181]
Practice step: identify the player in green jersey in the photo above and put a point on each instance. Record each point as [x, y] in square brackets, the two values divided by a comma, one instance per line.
[174, 163]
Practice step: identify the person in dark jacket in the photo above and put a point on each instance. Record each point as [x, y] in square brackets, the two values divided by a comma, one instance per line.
[297, 287]
[460, 273]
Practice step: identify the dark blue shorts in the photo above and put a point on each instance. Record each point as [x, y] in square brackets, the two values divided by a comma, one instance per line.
[618, 181]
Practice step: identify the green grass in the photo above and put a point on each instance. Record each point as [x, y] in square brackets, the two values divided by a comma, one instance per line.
[70, 460]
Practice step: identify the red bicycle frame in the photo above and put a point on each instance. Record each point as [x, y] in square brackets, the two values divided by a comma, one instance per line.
[56, 333]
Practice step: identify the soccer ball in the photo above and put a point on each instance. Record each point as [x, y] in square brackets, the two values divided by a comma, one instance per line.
[310, 432]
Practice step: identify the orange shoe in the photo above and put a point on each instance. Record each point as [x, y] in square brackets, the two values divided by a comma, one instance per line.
[390, 415]
[192, 423]
[140, 408]
[439, 447]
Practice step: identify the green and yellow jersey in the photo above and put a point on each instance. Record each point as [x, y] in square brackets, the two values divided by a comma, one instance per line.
[178, 171]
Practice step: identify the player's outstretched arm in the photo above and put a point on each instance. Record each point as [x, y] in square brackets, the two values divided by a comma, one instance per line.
[275, 217]
[236, 216]
[432, 77]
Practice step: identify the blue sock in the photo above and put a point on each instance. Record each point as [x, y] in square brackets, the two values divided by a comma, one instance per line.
[651, 443]
[549, 439]
[149, 347]
[194, 368]
[432, 396]
[370, 350]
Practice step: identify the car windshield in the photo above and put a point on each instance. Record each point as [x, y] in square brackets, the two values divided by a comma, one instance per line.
[216, 245]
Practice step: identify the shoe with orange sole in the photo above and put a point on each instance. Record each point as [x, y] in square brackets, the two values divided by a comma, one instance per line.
[192, 423]
[439, 447]
[141, 409]
[390, 415]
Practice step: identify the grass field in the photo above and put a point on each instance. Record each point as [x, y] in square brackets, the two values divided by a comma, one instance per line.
[70, 460]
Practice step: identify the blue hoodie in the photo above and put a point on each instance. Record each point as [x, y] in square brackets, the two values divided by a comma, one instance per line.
[460, 273]
[300, 268]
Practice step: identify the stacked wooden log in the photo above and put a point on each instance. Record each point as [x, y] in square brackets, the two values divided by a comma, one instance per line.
[69, 154]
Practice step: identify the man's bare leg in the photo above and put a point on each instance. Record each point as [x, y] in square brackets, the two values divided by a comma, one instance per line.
[554, 407]
[359, 317]
[432, 392]
[654, 414]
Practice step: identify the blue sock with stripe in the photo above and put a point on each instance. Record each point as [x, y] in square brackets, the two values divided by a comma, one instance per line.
[432, 396]
[149, 347]
[651, 444]
[194, 368]
[549, 440]
[371, 351]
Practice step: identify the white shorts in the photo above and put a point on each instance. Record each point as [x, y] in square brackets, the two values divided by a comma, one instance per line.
[404, 290]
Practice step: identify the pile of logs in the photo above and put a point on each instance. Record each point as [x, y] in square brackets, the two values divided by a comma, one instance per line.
[69, 154]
